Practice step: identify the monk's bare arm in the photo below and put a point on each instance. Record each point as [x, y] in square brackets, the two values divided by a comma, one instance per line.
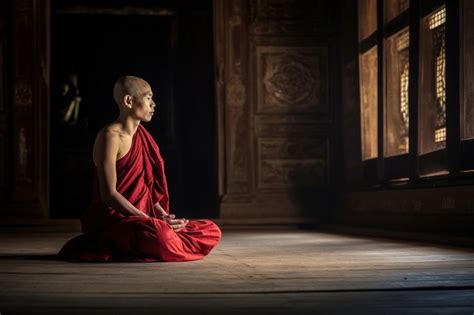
[105, 153]
[160, 208]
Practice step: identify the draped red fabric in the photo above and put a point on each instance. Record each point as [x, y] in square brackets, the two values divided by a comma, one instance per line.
[110, 236]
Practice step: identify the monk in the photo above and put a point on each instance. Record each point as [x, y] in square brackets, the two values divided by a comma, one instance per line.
[129, 218]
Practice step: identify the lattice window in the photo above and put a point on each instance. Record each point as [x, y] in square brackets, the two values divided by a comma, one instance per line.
[396, 105]
[440, 134]
[437, 26]
[402, 46]
[437, 19]
[432, 87]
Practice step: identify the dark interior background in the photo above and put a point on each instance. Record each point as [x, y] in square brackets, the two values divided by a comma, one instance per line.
[174, 54]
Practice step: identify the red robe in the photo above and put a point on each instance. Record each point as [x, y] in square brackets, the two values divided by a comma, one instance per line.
[110, 236]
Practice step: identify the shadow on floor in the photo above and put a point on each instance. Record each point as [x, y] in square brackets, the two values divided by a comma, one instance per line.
[28, 257]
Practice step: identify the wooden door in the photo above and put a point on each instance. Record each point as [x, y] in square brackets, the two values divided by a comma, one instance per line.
[275, 112]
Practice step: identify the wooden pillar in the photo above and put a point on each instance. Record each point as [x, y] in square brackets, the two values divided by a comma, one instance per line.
[4, 112]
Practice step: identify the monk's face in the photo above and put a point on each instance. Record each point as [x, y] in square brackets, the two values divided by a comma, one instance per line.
[143, 104]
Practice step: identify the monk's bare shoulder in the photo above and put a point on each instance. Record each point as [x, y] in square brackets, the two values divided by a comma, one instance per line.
[107, 144]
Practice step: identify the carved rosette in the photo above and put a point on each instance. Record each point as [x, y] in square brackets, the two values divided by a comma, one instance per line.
[292, 80]
[289, 80]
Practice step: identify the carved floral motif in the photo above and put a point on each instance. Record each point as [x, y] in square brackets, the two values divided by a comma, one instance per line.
[235, 93]
[289, 79]
[287, 9]
[292, 79]
[288, 17]
[22, 154]
[285, 162]
[283, 27]
[235, 100]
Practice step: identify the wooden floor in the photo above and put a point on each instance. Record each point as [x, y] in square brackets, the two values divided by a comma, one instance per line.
[268, 270]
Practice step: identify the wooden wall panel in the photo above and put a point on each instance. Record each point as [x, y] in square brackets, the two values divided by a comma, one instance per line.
[285, 162]
[273, 17]
[288, 126]
[3, 98]
[440, 210]
[25, 156]
[22, 108]
[3, 161]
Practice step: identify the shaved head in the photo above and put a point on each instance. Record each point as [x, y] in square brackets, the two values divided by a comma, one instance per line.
[128, 85]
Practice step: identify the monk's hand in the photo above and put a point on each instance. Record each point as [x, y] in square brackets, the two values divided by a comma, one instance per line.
[162, 215]
[177, 224]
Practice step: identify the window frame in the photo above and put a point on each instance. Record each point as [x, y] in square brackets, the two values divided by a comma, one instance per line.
[414, 169]
[397, 167]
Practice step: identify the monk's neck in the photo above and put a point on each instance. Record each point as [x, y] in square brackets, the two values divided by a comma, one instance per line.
[128, 124]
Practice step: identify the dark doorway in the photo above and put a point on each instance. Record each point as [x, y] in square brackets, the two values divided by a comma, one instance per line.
[173, 52]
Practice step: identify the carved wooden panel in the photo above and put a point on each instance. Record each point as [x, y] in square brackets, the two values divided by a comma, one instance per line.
[292, 79]
[26, 116]
[288, 162]
[287, 9]
[288, 17]
[236, 109]
[23, 64]
[288, 126]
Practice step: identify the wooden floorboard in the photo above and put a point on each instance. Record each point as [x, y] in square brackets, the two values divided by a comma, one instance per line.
[258, 271]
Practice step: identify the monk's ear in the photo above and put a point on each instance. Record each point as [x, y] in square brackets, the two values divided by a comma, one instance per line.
[127, 100]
